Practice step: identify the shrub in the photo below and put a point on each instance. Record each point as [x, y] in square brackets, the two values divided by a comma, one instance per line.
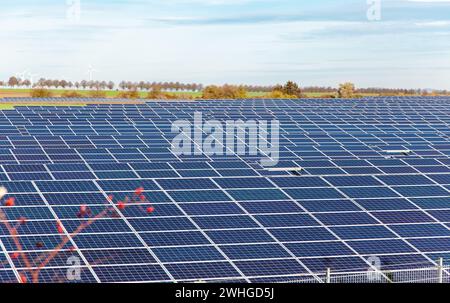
[212, 92]
[347, 90]
[97, 94]
[71, 94]
[41, 93]
[132, 94]
[224, 92]
[290, 89]
[157, 94]
[276, 94]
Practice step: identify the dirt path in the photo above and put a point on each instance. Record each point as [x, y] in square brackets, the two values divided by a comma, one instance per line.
[13, 95]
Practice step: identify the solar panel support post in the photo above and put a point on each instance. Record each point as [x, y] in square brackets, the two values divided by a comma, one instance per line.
[328, 276]
[441, 270]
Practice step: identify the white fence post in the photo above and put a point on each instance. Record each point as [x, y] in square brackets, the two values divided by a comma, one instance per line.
[441, 270]
[328, 277]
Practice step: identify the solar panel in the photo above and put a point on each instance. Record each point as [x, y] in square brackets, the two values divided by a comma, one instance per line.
[225, 217]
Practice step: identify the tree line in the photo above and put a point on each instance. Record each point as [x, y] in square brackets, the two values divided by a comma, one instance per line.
[290, 90]
[14, 82]
[376, 91]
[100, 85]
[164, 90]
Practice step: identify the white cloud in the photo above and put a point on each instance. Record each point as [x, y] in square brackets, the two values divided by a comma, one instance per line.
[442, 23]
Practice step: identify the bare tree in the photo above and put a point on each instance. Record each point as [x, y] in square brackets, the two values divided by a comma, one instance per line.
[13, 81]
[26, 83]
[63, 83]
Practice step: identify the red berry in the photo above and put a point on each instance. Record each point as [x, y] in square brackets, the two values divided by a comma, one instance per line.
[15, 255]
[121, 205]
[60, 228]
[150, 210]
[10, 202]
[23, 278]
[83, 211]
[139, 191]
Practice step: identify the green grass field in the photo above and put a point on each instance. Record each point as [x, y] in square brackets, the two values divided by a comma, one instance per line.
[113, 93]
[7, 92]
[6, 106]
[58, 92]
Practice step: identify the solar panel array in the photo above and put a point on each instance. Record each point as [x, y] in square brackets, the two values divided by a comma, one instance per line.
[227, 218]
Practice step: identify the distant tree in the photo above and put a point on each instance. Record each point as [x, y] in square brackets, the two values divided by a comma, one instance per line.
[292, 88]
[26, 83]
[319, 89]
[98, 85]
[40, 83]
[346, 90]
[278, 88]
[141, 85]
[130, 85]
[110, 85]
[63, 83]
[13, 82]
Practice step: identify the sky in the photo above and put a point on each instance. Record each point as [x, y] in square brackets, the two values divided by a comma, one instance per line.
[398, 43]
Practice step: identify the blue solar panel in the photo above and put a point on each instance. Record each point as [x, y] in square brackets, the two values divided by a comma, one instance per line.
[222, 218]
[320, 249]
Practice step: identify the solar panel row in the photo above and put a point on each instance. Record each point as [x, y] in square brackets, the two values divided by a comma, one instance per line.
[227, 218]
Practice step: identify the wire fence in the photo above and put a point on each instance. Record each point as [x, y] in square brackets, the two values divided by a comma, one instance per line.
[435, 274]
